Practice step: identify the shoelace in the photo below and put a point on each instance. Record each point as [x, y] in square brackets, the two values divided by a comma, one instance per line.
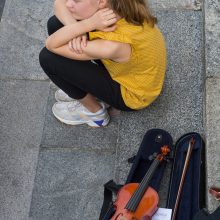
[73, 106]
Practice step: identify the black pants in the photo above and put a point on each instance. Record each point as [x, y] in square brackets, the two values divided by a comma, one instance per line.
[77, 78]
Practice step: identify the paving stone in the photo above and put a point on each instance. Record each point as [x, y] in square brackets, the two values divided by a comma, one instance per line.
[28, 16]
[212, 136]
[179, 108]
[178, 4]
[19, 56]
[22, 109]
[69, 184]
[23, 32]
[58, 134]
[212, 36]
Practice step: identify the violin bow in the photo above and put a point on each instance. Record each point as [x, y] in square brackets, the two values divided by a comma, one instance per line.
[186, 164]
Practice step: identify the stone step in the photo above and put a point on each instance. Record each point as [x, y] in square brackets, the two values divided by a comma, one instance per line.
[22, 111]
[212, 104]
[69, 183]
[212, 137]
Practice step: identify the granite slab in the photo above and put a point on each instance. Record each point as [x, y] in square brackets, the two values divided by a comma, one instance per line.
[212, 128]
[178, 4]
[69, 184]
[212, 36]
[22, 110]
[23, 34]
[58, 134]
[19, 54]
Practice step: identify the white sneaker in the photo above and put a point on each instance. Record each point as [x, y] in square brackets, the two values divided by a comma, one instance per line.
[74, 113]
[61, 96]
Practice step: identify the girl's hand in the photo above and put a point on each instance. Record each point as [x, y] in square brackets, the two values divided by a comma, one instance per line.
[75, 44]
[104, 20]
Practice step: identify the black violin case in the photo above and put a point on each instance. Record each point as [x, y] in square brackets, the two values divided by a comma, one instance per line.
[193, 194]
[192, 197]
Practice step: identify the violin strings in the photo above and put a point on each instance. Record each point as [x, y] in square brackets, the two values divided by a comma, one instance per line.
[141, 188]
[136, 197]
[137, 192]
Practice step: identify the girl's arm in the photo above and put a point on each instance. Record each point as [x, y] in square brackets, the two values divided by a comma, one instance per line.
[98, 49]
[62, 12]
[65, 17]
[67, 33]
[101, 20]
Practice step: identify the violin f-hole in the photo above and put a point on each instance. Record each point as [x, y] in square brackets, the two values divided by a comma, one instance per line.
[121, 217]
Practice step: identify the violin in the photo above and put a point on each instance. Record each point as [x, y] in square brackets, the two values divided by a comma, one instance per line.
[138, 201]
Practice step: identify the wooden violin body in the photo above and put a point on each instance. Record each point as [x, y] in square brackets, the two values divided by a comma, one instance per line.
[147, 208]
[138, 201]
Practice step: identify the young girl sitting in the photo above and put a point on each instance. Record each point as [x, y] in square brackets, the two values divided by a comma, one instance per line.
[129, 53]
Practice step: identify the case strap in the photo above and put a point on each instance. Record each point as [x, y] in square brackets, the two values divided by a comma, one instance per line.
[109, 188]
[215, 192]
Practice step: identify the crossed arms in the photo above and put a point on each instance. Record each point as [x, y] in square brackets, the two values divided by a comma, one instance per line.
[96, 49]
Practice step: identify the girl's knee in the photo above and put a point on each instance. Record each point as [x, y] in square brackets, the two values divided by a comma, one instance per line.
[45, 58]
[53, 24]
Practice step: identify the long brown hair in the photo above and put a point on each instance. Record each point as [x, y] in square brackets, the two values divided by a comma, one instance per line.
[134, 11]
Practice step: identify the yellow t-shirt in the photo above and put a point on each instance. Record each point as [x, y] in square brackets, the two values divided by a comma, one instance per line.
[141, 78]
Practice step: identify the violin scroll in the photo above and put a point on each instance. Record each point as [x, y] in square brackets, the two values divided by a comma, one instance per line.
[165, 150]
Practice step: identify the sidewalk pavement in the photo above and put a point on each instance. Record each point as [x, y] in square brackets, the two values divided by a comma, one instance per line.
[53, 171]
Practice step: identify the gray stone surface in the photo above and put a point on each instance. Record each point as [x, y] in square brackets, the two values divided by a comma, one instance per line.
[178, 4]
[28, 16]
[22, 109]
[212, 36]
[212, 136]
[57, 134]
[69, 184]
[23, 32]
[212, 104]
[19, 55]
[179, 108]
